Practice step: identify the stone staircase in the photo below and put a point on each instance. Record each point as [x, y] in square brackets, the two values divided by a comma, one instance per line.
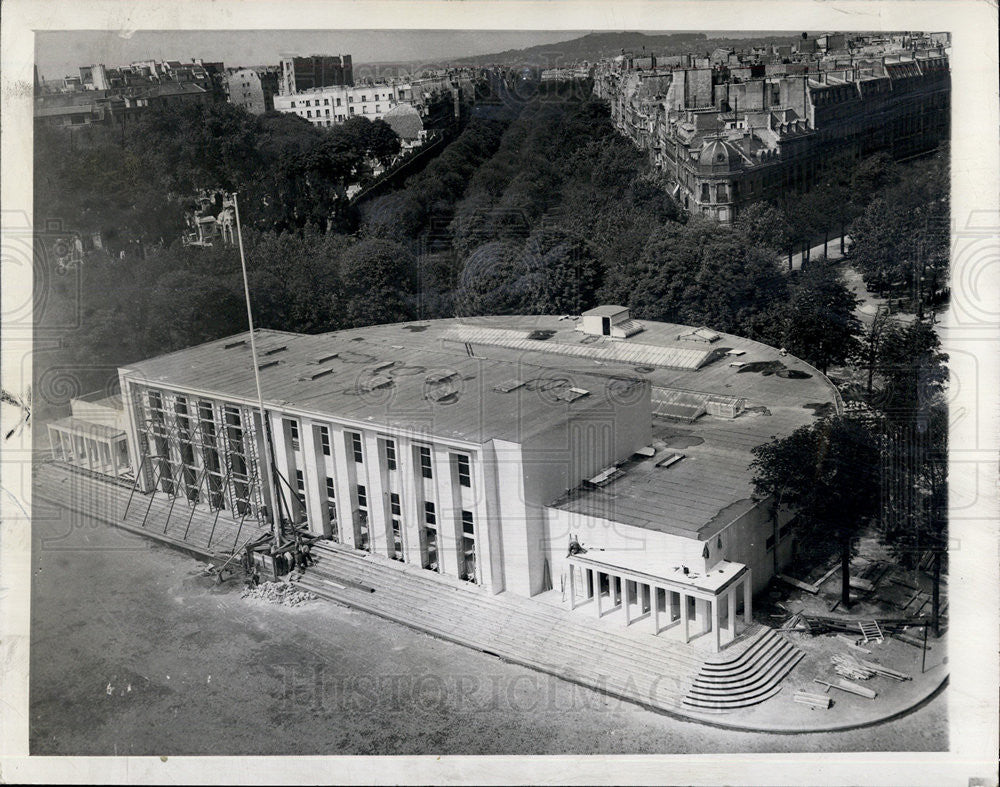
[634, 666]
[745, 677]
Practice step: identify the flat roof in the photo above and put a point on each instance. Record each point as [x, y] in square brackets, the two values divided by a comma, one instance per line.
[386, 376]
[694, 497]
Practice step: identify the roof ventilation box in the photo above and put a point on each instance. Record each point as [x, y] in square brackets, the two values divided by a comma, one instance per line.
[610, 321]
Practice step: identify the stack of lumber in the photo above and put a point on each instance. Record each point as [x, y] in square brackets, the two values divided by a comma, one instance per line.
[814, 700]
[850, 667]
[852, 688]
[860, 669]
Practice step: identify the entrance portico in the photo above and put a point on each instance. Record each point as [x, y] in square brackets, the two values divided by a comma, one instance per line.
[685, 607]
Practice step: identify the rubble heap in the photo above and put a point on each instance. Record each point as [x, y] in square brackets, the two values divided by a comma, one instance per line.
[278, 593]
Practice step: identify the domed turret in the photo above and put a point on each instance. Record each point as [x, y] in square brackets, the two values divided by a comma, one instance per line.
[718, 153]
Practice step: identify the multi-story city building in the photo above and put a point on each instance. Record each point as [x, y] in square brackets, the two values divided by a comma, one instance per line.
[253, 89]
[733, 132]
[600, 454]
[331, 105]
[102, 95]
[328, 106]
[299, 74]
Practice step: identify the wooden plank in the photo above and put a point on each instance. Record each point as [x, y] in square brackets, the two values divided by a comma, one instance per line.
[861, 584]
[800, 585]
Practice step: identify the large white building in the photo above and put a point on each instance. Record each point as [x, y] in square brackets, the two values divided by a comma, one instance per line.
[328, 106]
[599, 455]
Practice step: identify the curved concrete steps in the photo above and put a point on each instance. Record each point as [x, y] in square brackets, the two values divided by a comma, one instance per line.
[744, 679]
[646, 670]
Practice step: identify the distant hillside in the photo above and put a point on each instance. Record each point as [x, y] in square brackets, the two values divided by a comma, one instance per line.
[595, 46]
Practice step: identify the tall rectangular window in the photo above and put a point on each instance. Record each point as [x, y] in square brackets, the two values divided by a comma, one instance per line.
[331, 508]
[324, 439]
[468, 547]
[300, 486]
[359, 455]
[430, 514]
[390, 454]
[397, 540]
[293, 433]
[362, 496]
[394, 505]
[425, 462]
[464, 470]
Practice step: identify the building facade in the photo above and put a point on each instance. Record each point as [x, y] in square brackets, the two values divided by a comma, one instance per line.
[730, 134]
[329, 106]
[253, 89]
[600, 457]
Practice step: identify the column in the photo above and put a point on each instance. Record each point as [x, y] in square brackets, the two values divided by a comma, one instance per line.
[731, 596]
[314, 474]
[413, 512]
[572, 587]
[625, 604]
[714, 620]
[684, 617]
[343, 483]
[747, 599]
[597, 592]
[449, 514]
[654, 599]
[378, 497]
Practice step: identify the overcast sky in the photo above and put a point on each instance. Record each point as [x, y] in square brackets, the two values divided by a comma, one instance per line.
[59, 53]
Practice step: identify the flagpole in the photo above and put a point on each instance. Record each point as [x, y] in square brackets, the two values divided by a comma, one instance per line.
[275, 529]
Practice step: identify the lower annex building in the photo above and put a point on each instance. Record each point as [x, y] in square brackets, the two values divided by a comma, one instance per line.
[598, 459]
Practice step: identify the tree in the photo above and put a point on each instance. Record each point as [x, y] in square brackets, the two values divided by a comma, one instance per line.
[821, 326]
[912, 371]
[378, 277]
[762, 224]
[828, 474]
[494, 281]
[700, 273]
[566, 274]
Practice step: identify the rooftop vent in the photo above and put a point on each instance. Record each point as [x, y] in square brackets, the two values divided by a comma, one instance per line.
[276, 350]
[605, 477]
[442, 376]
[442, 393]
[508, 385]
[572, 394]
[268, 365]
[376, 382]
[669, 460]
[317, 375]
[326, 358]
[700, 335]
[230, 346]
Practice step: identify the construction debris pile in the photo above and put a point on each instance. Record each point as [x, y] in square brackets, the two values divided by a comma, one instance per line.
[278, 593]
